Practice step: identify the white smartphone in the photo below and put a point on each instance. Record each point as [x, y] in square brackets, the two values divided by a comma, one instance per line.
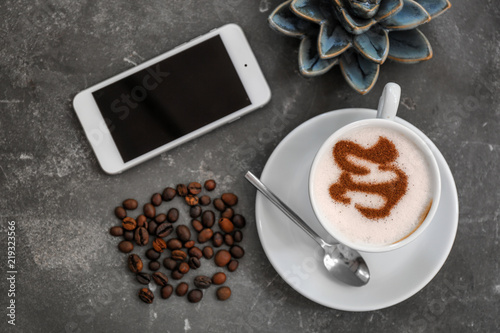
[198, 86]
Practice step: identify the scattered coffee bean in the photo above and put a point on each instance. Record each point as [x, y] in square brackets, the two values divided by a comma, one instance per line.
[159, 245]
[194, 188]
[149, 210]
[173, 215]
[202, 281]
[205, 200]
[226, 225]
[237, 251]
[217, 239]
[151, 254]
[222, 258]
[228, 213]
[195, 252]
[181, 289]
[141, 236]
[128, 235]
[120, 213]
[168, 194]
[182, 190]
[116, 231]
[143, 278]
[169, 264]
[189, 244]
[183, 268]
[152, 225]
[160, 218]
[229, 199]
[130, 204]
[129, 223]
[146, 295]
[166, 291]
[228, 239]
[194, 263]
[239, 221]
[210, 185]
[205, 235]
[178, 255]
[164, 229]
[126, 246]
[208, 252]
[176, 275]
[134, 263]
[197, 225]
[183, 233]
[219, 205]
[208, 219]
[191, 200]
[219, 278]
[142, 221]
[156, 199]
[154, 265]
[160, 279]
[238, 236]
[233, 265]
[195, 295]
[195, 211]
[223, 293]
[174, 244]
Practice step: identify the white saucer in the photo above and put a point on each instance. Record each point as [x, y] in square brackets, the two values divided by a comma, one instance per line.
[395, 275]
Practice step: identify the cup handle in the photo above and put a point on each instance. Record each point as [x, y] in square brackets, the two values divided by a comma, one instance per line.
[389, 101]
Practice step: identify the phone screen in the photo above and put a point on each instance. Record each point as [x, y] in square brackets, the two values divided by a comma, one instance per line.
[172, 98]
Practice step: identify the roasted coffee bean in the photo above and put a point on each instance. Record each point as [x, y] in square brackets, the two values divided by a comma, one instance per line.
[128, 235]
[229, 240]
[202, 281]
[178, 255]
[151, 254]
[174, 244]
[205, 235]
[134, 263]
[166, 291]
[152, 225]
[219, 205]
[226, 225]
[222, 258]
[146, 295]
[182, 190]
[181, 289]
[116, 231]
[141, 236]
[183, 233]
[229, 199]
[195, 252]
[197, 225]
[205, 200]
[237, 251]
[129, 223]
[195, 211]
[149, 210]
[210, 185]
[164, 229]
[159, 245]
[183, 267]
[194, 263]
[189, 244]
[168, 194]
[160, 218]
[176, 275]
[194, 188]
[233, 264]
[143, 278]
[154, 265]
[219, 278]
[191, 200]
[142, 221]
[120, 213]
[208, 252]
[238, 236]
[173, 215]
[130, 204]
[228, 213]
[195, 295]
[156, 199]
[217, 239]
[169, 264]
[126, 246]
[223, 293]
[208, 219]
[239, 221]
[160, 279]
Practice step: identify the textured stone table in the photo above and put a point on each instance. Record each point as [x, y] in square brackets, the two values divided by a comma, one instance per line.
[70, 275]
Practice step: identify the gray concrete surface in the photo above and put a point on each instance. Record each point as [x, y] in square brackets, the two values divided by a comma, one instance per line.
[70, 275]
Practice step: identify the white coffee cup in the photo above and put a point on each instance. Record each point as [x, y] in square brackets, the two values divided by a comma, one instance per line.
[384, 121]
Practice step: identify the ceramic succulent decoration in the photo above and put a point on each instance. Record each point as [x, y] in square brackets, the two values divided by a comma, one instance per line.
[359, 35]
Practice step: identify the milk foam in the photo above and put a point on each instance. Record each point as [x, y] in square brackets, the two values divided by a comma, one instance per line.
[405, 216]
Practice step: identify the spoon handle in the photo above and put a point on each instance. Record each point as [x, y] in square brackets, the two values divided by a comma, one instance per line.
[283, 207]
